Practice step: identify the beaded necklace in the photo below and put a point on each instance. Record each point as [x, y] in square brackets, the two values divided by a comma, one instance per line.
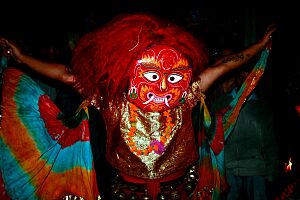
[157, 146]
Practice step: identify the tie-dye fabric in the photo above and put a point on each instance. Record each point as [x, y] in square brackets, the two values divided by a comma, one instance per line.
[43, 155]
[214, 130]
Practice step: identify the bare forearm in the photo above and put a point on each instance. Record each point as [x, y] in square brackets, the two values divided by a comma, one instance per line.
[51, 70]
[227, 64]
[234, 61]
[237, 60]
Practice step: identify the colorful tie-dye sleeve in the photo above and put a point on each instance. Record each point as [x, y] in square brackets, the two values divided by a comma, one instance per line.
[42, 154]
[213, 131]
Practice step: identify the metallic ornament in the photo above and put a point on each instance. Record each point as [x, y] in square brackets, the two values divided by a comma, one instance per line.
[115, 192]
[121, 196]
[146, 196]
[133, 196]
[182, 100]
[72, 197]
[189, 187]
[175, 195]
[133, 95]
[162, 196]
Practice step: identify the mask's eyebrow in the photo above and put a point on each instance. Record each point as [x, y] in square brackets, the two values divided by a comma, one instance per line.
[179, 68]
[149, 63]
[182, 64]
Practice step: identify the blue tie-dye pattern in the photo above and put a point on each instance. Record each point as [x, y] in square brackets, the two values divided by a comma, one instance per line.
[17, 181]
[52, 153]
[68, 158]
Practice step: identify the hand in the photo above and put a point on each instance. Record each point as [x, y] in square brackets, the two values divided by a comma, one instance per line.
[12, 49]
[266, 40]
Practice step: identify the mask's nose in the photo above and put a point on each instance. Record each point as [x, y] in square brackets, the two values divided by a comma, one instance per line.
[163, 84]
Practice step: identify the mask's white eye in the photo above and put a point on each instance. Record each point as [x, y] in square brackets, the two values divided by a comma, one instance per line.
[174, 78]
[151, 76]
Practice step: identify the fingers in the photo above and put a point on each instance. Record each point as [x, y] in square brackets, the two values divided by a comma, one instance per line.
[5, 47]
[3, 42]
[6, 43]
[266, 40]
[270, 30]
[272, 27]
[9, 43]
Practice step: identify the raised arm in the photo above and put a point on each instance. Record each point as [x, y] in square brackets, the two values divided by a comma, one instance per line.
[52, 70]
[231, 62]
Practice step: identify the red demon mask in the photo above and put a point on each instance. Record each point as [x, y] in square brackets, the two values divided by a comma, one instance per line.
[160, 79]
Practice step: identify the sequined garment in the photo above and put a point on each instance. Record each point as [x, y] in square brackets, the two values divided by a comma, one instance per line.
[180, 151]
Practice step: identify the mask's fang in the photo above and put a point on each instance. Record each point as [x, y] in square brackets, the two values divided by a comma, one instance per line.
[166, 101]
[149, 100]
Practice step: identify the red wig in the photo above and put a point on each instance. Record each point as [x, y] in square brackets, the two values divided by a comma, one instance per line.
[103, 59]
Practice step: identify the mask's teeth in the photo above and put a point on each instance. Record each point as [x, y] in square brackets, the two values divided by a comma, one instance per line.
[166, 101]
[149, 100]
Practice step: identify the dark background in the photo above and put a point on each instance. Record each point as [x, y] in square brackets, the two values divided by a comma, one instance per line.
[233, 24]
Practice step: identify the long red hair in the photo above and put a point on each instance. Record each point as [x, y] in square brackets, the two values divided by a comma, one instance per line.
[103, 59]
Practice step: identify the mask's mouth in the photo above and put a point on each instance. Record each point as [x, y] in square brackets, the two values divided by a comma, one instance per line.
[157, 99]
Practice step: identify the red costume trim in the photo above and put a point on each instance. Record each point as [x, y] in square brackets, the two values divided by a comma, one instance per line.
[153, 185]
